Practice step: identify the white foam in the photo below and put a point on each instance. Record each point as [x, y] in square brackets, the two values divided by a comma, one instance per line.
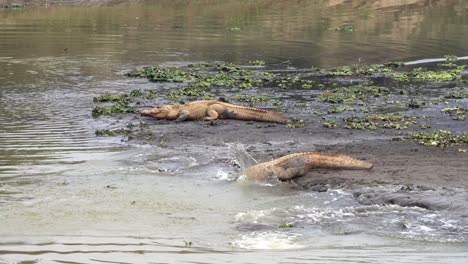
[268, 240]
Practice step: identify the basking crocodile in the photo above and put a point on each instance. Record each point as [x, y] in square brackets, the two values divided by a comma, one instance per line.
[298, 164]
[211, 110]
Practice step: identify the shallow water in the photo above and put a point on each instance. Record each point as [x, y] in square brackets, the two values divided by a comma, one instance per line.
[69, 197]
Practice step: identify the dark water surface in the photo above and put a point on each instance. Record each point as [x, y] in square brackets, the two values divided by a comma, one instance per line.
[69, 197]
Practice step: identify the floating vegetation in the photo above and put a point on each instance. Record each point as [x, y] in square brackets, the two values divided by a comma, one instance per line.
[135, 93]
[112, 133]
[286, 225]
[373, 122]
[13, 5]
[341, 71]
[440, 138]
[156, 73]
[399, 76]
[111, 109]
[374, 69]
[394, 64]
[415, 104]
[345, 28]
[257, 62]
[420, 75]
[250, 98]
[339, 109]
[232, 68]
[150, 95]
[456, 94]
[457, 113]
[351, 93]
[111, 98]
[295, 123]
[330, 124]
[201, 65]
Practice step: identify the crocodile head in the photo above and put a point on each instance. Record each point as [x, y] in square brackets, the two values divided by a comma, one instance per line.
[160, 112]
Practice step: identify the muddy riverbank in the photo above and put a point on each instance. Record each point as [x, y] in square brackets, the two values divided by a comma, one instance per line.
[373, 116]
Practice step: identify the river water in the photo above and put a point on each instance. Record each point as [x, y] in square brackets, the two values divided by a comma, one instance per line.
[69, 197]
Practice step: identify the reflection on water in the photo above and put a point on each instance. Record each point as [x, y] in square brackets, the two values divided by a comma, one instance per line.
[66, 196]
[276, 31]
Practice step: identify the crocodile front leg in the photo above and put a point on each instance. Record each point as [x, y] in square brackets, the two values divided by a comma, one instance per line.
[183, 115]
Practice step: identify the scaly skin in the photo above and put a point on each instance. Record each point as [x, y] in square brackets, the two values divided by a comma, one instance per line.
[211, 110]
[298, 164]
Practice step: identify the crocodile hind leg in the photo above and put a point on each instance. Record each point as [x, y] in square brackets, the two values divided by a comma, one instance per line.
[287, 174]
[214, 111]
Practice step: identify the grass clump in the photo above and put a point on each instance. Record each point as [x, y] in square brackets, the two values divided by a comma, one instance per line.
[440, 138]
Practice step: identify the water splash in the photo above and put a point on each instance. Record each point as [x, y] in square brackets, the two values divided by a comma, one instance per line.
[242, 157]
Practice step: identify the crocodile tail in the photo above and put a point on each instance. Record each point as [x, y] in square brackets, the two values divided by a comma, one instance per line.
[260, 115]
[337, 161]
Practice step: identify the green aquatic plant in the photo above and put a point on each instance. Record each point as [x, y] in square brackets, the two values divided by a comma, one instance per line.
[156, 73]
[399, 76]
[421, 75]
[257, 62]
[232, 69]
[415, 104]
[373, 122]
[111, 98]
[111, 109]
[295, 123]
[341, 71]
[394, 64]
[456, 94]
[330, 124]
[112, 133]
[450, 58]
[201, 65]
[135, 93]
[337, 109]
[150, 95]
[440, 138]
[250, 98]
[351, 93]
[13, 5]
[345, 28]
[286, 225]
[457, 113]
[373, 69]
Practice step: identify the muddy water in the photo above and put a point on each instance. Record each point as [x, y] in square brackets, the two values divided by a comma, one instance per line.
[69, 197]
